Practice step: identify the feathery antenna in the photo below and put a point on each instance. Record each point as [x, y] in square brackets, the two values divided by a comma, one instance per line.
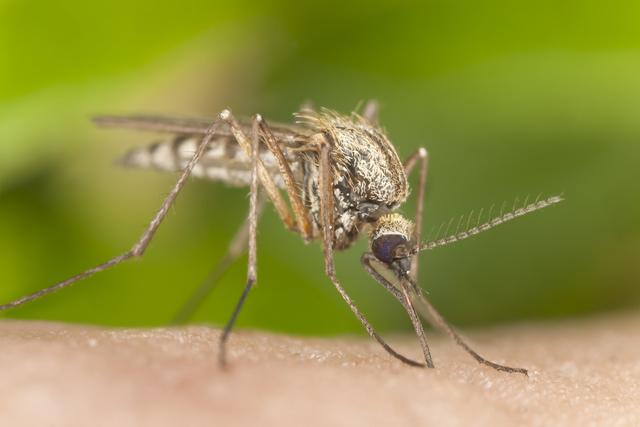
[491, 223]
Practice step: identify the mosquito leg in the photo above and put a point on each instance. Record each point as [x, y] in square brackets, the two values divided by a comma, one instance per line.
[326, 211]
[307, 105]
[265, 178]
[326, 207]
[253, 223]
[403, 297]
[237, 247]
[439, 321]
[302, 220]
[370, 111]
[140, 246]
[423, 156]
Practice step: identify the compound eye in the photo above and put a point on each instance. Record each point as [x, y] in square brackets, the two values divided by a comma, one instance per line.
[384, 247]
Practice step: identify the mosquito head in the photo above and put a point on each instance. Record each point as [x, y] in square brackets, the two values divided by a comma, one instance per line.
[391, 242]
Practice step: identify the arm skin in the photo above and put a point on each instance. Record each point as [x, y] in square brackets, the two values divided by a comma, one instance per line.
[581, 373]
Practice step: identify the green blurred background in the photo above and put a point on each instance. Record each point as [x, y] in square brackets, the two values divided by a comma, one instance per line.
[510, 99]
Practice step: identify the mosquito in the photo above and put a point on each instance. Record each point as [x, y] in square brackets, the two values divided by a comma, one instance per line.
[330, 177]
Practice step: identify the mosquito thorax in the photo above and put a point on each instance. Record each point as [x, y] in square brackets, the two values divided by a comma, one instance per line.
[390, 240]
[369, 179]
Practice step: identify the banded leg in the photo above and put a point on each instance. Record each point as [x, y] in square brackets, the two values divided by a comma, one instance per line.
[236, 249]
[253, 222]
[401, 294]
[423, 156]
[326, 211]
[142, 243]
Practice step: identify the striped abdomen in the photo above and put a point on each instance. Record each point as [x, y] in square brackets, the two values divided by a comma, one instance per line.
[223, 161]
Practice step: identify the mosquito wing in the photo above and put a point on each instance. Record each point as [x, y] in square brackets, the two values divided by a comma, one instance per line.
[289, 134]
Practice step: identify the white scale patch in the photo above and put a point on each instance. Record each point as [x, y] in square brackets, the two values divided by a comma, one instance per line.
[216, 152]
[187, 149]
[138, 157]
[163, 157]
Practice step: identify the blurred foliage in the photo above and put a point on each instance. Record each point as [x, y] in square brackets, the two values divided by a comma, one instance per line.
[511, 99]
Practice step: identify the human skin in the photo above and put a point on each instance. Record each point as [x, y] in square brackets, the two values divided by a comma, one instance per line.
[582, 373]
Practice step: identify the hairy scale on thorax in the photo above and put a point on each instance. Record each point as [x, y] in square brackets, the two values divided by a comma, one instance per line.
[369, 176]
